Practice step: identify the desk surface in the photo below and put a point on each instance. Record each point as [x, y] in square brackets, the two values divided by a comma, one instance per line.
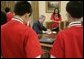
[46, 45]
[43, 36]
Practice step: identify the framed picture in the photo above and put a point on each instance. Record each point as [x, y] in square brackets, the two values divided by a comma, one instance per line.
[51, 5]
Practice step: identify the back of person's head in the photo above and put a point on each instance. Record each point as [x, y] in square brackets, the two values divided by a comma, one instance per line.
[75, 9]
[3, 18]
[7, 9]
[22, 7]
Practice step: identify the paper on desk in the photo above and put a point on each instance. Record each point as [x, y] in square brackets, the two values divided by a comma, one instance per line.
[54, 32]
[44, 31]
[49, 32]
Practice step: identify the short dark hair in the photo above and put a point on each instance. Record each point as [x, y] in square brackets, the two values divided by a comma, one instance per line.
[7, 9]
[75, 9]
[22, 7]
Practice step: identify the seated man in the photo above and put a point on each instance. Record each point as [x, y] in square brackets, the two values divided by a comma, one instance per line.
[38, 25]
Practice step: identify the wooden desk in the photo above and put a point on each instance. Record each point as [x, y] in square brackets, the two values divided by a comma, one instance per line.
[52, 36]
[47, 46]
[49, 24]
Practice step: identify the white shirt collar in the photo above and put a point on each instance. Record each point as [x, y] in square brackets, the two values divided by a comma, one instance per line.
[17, 19]
[76, 23]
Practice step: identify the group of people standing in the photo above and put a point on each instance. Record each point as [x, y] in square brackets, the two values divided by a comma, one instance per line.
[20, 41]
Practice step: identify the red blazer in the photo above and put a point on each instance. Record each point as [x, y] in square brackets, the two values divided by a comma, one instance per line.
[19, 41]
[68, 43]
[56, 24]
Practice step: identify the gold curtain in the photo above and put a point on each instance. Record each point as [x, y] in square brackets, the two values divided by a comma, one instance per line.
[35, 7]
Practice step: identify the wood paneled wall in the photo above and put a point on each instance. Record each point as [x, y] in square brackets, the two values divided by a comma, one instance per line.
[9, 4]
[35, 7]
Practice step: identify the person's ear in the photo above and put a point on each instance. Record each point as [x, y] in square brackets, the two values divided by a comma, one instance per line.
[27, 15]
[68, 15]
[70, 18]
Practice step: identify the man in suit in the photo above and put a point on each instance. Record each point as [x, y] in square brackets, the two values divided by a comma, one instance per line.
[38, 25]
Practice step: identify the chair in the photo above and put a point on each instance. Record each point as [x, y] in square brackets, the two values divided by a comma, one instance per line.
[49, 25]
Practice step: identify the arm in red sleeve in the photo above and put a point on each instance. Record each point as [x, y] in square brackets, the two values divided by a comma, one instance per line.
[58, 47]
[32, 48]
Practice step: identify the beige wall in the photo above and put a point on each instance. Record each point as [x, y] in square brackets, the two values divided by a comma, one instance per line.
[63, 10]
[42, 10]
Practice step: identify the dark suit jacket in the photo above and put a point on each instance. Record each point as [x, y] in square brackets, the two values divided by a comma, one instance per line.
[38, 27]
